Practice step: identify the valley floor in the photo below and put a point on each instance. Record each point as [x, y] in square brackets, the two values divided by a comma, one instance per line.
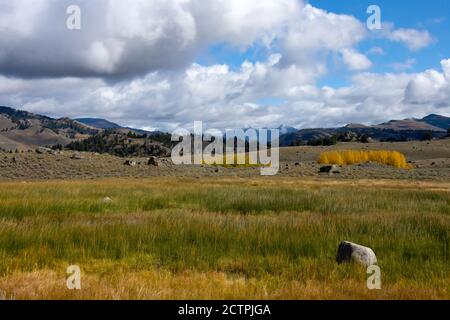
[223, 238]
[430, 161]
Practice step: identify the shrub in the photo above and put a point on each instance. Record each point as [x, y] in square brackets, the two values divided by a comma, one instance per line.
[427, 136]
[349, 157]
[327, 141]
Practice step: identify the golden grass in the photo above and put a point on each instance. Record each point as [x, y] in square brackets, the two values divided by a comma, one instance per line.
[349, 157]
[239, 160]
[222, 238]
[190, 285]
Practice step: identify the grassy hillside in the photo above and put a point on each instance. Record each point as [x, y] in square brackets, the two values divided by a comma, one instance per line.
[222, 238]
[27, 130]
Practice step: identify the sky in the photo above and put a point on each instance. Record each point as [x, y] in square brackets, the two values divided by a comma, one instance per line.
[163, 64]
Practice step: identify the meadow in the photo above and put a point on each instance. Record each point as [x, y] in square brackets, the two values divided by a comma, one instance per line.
[222, 238]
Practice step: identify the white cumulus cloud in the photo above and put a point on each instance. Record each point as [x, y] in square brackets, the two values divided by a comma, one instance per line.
[135, 62]
[412, 38]
[355, 60]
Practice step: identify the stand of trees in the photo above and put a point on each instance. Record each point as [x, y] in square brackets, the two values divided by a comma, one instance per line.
[124, 145]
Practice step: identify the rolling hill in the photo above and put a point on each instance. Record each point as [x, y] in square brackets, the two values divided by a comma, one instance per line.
[432, 126]
[25, 130]
[98, 123]
[22, 130]
[437, 121]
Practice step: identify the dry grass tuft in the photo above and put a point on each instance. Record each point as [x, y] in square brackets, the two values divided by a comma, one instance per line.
[224, 238]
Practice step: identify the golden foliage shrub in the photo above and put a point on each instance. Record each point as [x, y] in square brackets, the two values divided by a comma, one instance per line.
[240, 160]
[349, 157]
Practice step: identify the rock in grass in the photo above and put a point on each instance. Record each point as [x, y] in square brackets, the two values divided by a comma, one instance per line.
[76, 156]
[131, 163]
[55, 152]
[43, 150]
[349, 251]
[332, 169]
[153, 161]
[106, 200]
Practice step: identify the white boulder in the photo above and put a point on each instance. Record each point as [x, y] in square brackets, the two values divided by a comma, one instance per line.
[349, 251]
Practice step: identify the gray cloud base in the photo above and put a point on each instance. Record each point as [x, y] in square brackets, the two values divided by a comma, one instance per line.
[133, 62]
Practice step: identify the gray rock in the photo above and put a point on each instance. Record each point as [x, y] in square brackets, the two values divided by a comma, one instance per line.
[55, 152]
[106, 200]
[131, 163]
[43, 150]
[331, 169]
[153, 161]
[76, 156]
[349, 251]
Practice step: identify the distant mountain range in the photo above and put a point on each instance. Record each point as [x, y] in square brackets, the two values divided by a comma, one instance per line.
[431, 126]
[286, 129]
[25, 130]
[108, 125]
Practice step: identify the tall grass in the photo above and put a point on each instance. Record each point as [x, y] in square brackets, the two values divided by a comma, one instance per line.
[349, 157]
[257, 238]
